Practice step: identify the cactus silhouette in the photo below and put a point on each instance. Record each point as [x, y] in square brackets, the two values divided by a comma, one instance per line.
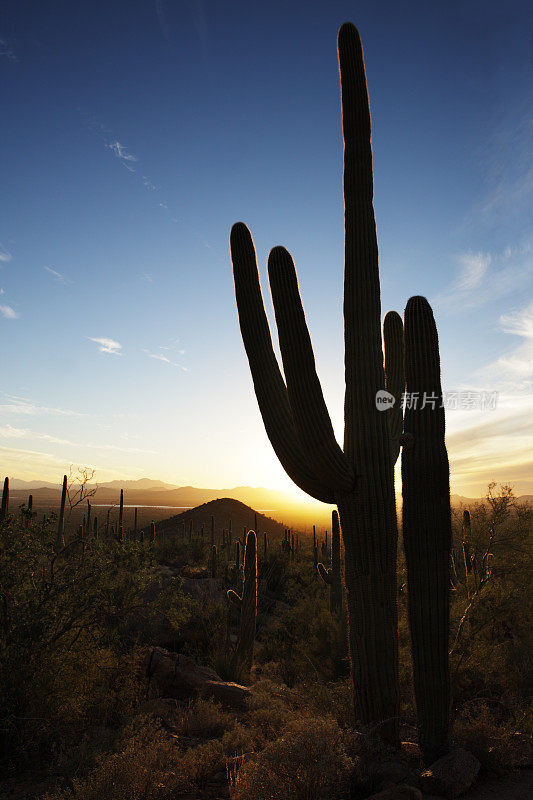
[247, 603]
[332, 576]
[358, 479]
[427, 528]
[60, 542]
[5, 500]
[212, 531]
[213, 561]
[120, 515]
[467, 551]
[152, 532]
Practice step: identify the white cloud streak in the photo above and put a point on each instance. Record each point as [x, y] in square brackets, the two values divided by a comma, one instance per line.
[107, 345]
[485, 277]
[8, 312]
[57, 275]
[120, 151]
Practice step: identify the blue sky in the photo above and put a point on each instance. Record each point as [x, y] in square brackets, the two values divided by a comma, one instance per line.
[135, 133]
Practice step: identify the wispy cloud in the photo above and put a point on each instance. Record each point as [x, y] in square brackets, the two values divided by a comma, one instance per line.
[6, 51]
[165, 359]
[23, 406]
[514, 369]
[57, 275]
[5, 256]
[121, 152]
[485, 277]
[8, 312]
[107, 345]
[9, 432]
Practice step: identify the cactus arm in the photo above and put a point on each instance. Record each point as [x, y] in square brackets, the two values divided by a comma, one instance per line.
[268, 382]
[324, 573]
[234, 598]
[427, 530]
[310, 413]
[394, 376]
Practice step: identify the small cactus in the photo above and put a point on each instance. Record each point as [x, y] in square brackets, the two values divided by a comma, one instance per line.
[152, 532]
[5, 500]
[213, 561]
[212, 531]
[120, 515]
[332, 576]
[135, 521]
[467, 549]
[265, 544]
[61, 521]
[247, 603]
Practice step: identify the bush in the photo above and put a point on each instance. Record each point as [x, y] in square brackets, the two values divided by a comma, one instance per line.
[308, 762]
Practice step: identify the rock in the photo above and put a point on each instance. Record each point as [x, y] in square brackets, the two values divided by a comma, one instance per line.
[451, 775]
[412, 751]
[390, 772]
[180, 677]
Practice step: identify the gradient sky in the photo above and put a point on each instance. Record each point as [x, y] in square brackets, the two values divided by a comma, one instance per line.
[135, 132]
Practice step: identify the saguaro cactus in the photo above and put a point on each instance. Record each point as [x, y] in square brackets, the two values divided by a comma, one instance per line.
[121, 515]
[427, 527]
[213, 561]
[247, 603]
[333, 576]
[359, 479]
[61, 521]
[5, 500]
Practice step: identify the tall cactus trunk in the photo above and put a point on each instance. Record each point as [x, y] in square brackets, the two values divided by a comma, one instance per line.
[371, 598]
[427, 528]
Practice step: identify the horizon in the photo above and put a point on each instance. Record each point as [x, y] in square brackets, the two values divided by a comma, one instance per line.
[137, 134]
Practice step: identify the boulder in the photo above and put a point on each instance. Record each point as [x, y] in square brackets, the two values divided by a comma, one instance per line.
[180, 677]
[451, 775]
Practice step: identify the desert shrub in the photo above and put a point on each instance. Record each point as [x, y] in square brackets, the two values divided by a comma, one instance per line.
[204, 719]
[144, 764]
[483, 734]
[66, 657]
[307, 762]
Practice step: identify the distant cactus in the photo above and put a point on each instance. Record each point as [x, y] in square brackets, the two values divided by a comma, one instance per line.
[427, 528]
[135, 522]
[5, 500]
[60, 541]
[265, 544]
[212, 531]
[213, 561]
[120, 516]
[247, 603]
[332, 576]
[95, 527]
[466, 534]
[152, 532]
[238, 553]
[88, 515]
